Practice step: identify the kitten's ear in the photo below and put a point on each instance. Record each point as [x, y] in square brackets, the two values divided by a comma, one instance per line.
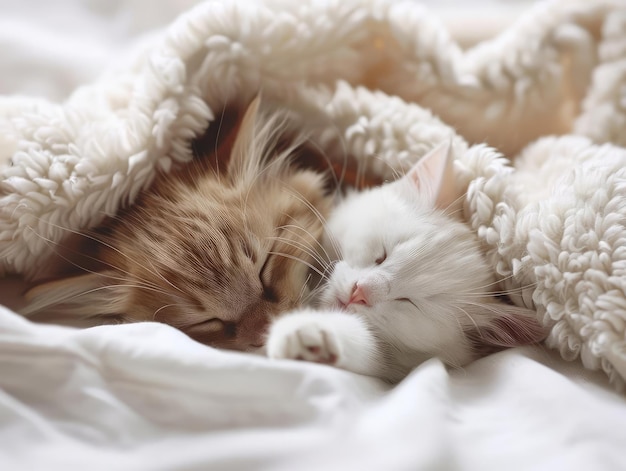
[433, 176]
[91, 296]
[245, 141]
[505, 326]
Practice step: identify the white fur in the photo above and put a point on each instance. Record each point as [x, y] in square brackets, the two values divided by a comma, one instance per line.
[421, 271]
[432, 260]
[331, 337]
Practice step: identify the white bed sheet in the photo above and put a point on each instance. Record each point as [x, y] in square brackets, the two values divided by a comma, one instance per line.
[144, 396]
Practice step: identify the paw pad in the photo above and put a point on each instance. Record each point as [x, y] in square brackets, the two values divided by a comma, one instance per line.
[310, 341]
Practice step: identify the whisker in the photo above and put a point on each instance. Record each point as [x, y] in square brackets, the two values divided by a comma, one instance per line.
[292, 257]
[313, 293]
[453, 204]
[142, 283]
[113, 286]
[500, 280]
[303, 290]
[165, 307]
[467, 314]
[503, 292]
[324, 268]
[95, 239]
[216, 147]
[336, 181]
[396, 172]
[156, 272]
[322, 258]
[289, 227]
[320, 217]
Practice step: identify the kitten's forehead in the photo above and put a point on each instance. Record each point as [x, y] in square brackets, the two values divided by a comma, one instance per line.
[369, 216]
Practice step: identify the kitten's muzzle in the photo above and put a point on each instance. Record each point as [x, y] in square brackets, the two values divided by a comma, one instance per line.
[358, 295]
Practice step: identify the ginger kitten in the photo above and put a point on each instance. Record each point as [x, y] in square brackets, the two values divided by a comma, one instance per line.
[215, 252]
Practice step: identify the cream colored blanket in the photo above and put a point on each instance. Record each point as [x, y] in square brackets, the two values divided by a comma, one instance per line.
[382, 81]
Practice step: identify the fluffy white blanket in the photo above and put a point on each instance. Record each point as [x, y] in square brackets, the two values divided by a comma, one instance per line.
[553, 225]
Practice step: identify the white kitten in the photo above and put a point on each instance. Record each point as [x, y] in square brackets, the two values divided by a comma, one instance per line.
[411, 284]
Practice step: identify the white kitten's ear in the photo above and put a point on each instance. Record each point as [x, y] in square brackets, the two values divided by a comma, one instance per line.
[506, 326]
[94, 295]
[434, 178]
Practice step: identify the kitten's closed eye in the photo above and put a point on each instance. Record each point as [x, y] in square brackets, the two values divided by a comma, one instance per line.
[382, 258]
[217, 326]
[230, 330]
[269, 294]
[213, 325]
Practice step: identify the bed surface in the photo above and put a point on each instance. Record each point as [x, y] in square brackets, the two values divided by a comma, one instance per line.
[145, 396]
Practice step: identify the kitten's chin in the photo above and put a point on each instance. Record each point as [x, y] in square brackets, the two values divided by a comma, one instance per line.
[335, 304]
[332, 303]
[261, 351]
[353, 308]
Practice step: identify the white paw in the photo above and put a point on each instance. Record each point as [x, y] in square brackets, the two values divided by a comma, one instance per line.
[302, 338]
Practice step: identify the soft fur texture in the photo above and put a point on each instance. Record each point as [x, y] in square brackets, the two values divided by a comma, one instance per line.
[560, 69]
[409, 282]
[216, 252]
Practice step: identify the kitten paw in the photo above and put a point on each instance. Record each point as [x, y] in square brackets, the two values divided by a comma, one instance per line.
[307, 341]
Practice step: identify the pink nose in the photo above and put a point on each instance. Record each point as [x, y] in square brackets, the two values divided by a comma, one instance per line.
[358, 296]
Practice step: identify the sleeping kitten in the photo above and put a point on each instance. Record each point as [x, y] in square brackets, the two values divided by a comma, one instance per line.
[411, 284]
[215, 253]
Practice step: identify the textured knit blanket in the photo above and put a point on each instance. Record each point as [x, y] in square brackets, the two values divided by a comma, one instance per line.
[382, 81]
